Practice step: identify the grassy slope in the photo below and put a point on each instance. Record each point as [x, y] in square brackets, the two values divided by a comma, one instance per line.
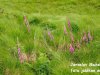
[86, 14]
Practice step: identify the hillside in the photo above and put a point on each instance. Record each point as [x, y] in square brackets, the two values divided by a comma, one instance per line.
[43, 37]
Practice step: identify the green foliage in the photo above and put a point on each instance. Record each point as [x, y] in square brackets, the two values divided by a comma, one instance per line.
[42, 16]
[75, 28]
[41, 67]
[35, 21]
[48, 25]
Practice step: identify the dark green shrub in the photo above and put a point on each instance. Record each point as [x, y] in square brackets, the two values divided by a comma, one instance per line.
[35, 21]
[42, 69]
[75, 27]
[47, 25]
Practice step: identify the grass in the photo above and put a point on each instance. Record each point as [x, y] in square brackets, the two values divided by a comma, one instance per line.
[51, 14]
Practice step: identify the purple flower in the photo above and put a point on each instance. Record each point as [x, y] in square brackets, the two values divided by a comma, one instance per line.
[65, 31]
[21, 58]
[90, 37]
[19, 52]
[71, 48]
[69, 25]
[26, 23]
[78, 45]
[84, 38]
[19, 55]
[50, 35]
[71, 37]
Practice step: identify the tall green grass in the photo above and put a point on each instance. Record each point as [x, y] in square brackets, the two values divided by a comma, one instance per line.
[43, 15]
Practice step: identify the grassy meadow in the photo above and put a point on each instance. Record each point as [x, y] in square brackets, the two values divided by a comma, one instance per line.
[45, 47]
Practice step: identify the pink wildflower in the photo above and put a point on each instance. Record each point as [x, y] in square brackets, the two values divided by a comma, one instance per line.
[26, 23]
[23, 57]
[19, 52]
[84, 38]
[90, 37]
[20, 55]
[65, 31]
[78, 45]
[71, 48]
[71, 37]
[69, 25]
[50, 35]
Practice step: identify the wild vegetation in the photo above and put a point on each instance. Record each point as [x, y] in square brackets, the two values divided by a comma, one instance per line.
[44, 37]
